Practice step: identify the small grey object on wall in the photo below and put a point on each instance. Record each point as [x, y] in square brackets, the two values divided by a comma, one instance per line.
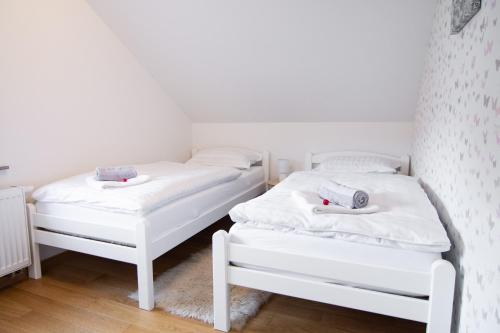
[462, 11]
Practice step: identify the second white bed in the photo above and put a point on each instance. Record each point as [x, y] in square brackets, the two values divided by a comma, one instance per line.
[278, 247]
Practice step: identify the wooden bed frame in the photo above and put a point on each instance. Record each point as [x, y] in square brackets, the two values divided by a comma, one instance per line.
[140, 246]
[438, 283]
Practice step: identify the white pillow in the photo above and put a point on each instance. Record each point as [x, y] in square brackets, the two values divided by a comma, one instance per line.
[252, 155]
[359, 164]
[240, 158]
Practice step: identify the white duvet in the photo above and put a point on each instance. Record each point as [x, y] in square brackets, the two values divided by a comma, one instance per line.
[406, 218]
[168, 182]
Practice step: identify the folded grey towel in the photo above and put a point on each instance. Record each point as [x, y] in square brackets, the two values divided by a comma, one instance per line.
[115, 173]
[343, 195]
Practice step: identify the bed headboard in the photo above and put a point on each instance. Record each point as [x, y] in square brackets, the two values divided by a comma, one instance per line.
[265, 163]
[314, 159]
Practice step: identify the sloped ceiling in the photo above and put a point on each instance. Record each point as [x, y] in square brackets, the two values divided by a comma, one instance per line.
[280, 60]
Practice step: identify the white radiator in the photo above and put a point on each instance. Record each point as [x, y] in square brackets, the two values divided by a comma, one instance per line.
[14, 239]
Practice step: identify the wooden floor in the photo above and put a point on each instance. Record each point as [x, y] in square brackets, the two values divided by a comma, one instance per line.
[81, 293]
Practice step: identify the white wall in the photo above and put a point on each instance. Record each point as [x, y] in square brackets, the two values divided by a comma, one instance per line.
[456, 155]
[293, 140]
[72, 96]
[280, 60]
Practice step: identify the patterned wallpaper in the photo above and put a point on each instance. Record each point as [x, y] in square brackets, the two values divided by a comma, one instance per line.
[457, 154]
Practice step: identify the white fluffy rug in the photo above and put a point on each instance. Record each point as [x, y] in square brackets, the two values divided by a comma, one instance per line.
[186, 291]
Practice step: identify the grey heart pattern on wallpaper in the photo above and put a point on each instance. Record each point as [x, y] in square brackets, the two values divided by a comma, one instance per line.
[456, 149]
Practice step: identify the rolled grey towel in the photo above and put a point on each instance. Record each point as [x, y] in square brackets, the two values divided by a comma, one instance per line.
[115, 173]
[342, 195]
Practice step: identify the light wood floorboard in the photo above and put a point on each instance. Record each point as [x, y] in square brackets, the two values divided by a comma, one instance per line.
[81, 293]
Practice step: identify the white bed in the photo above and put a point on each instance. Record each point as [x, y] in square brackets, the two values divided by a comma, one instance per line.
[381, 279]
[139, 238]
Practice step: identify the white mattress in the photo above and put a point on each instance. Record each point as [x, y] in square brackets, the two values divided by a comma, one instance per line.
[162, 219]
[406, 219]
[168, 182]
[334, 249]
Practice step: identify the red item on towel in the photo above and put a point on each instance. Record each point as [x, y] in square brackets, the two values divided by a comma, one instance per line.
[326, 202]
[124, 180]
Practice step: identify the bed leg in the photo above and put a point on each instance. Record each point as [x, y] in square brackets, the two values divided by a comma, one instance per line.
[144, 267]
[441, 297]
[220, 281]
[35, 269]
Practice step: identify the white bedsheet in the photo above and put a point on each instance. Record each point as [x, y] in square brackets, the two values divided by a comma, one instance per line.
[169, 182]
[406, 218]
[333, 249]
[161, 220]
